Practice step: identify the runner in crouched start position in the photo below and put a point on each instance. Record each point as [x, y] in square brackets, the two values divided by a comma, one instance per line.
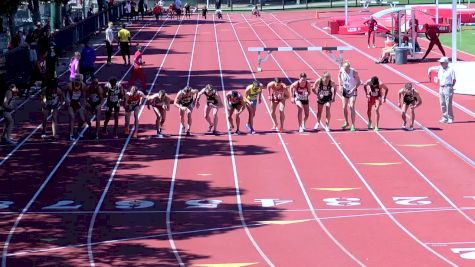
[114, 94]
[253, 95]
[213, 103]
[324, 88]
[133, 99]
[278, 93]
[94, 95]
[75, 101]
[185, 101]
[300, 91]
[160, 103]
[51, 98]
[234, 102]
[409, 98]
[376, 93]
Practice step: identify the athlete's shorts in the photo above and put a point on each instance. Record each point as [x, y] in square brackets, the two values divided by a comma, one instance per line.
[372, 100]
[324, 100]
[253, 103]
[113, 106]
[92, 106]
[75, 105]
[349, 95]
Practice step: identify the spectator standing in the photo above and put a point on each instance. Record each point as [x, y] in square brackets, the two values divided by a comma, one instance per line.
[52, 61]
[109, 41]
[74, 66]
[446, 76]
[124, 39]
[141, 8]
[128, 10]
[372, 26]
[6, 110]
[204, 11]
[88, 58]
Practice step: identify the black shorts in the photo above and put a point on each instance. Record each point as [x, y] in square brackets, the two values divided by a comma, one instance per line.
[51, 107]
[93, 105]
[113, 106]
[304, 102]
[236, 106]
[75, 105]
[413, 102]
[214, 102]
[324, 100]
[178, 12]
[124, 48]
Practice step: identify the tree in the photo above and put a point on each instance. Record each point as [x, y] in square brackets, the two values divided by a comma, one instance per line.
[8, 8]
[34, 7]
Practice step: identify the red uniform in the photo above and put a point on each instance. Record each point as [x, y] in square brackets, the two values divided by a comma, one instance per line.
[433, 36]
[374, 95]
[372, 24]
[137, 71]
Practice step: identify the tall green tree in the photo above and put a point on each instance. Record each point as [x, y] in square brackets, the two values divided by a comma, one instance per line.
[8, 8]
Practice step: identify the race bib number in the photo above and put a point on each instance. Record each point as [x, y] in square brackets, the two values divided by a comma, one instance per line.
[76, 95]
[94, 98]
[303, 96]
[114, 98]
[374, 93]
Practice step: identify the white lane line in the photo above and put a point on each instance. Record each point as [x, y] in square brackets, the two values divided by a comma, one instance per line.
[42, 187]
[233, 156]
[121, 155]
[39, 251]
[427, 130]
[19, 145]
[360, 176]
[171, 241]
[408, 162]
[294, 168]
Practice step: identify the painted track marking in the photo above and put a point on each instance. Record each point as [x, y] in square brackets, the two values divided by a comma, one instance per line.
[119, 159]
[294, 168]
[360, 176]
[233, 158]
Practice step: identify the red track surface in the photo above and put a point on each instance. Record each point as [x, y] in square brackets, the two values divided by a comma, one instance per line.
[136, 201]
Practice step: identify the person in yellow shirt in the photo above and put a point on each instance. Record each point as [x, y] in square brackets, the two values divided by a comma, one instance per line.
[253, 94]
[124, 39]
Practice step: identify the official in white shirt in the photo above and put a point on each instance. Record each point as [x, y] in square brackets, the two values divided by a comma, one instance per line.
[446, 76]
[109, 41]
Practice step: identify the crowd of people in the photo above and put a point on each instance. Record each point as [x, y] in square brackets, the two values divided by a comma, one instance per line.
[84, 96]
[83, 102]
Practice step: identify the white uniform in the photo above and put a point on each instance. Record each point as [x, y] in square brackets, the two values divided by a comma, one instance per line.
[348, 82]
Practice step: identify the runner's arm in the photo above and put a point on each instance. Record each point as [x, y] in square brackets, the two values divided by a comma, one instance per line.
[333, 91]
[177, 100]
[386, 90]
[419, 99]
[269, 90]
[357, 78]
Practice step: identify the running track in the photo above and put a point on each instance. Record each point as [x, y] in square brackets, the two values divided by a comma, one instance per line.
[271, 199]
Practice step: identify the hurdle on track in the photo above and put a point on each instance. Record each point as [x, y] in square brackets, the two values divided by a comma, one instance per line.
[329, 49]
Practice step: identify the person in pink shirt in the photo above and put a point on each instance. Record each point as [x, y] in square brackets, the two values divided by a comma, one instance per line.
[74, 66]
[137, 70]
